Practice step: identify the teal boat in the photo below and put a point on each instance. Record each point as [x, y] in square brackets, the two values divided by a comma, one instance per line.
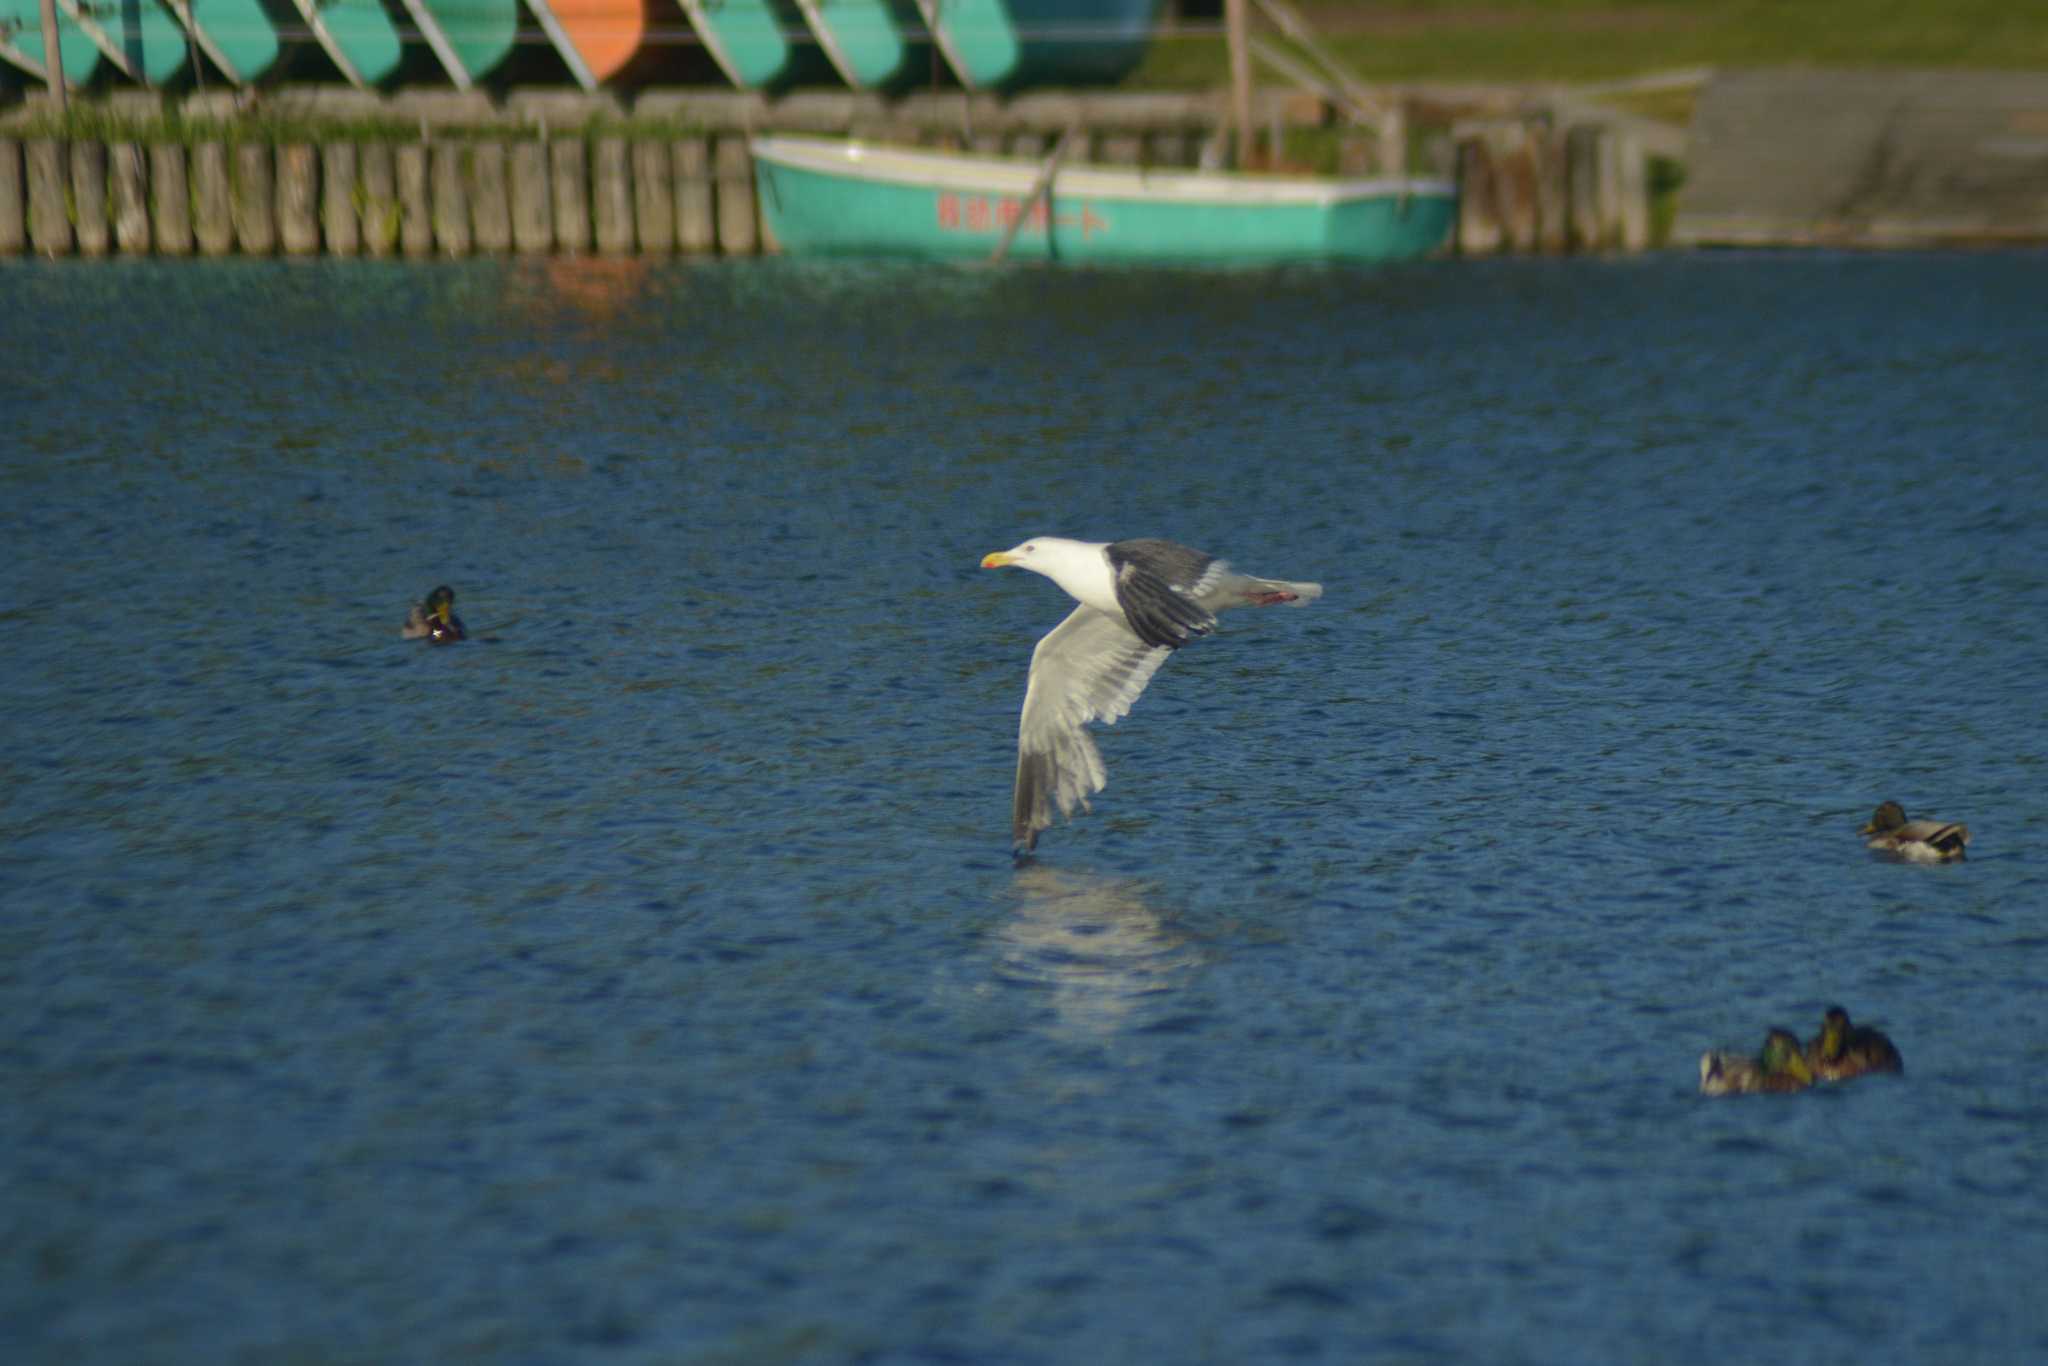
[21, 43]
[872, 44]
[992, 43]
[829, 196]
[357, 36]
[469, 37]
[750, 41]
[236, 35]
[141, 41]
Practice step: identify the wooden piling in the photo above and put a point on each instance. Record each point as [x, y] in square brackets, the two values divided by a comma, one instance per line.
[378, 167]
[533, 220]
[490, 208]
[696, 223]
[170, 199]
[49, 226]
[1169, 148]
[1479, 231]
[1028, 144]
[1582, 186]
[1514, 186]
[13, 207]
[1607, 183]
[255, 200]
[451, 203]
[612, 197]
[213, 224]
[338, 220]
[415, 210]
[89, 198]
[298, 190]
[128, 174]
[568, 166]
[654, 199]
[733, 172]
[1546, 146]
[1123, 149]
[1634, 186]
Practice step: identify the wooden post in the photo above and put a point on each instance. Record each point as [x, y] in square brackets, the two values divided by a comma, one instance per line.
[451, 205]
[696, 227]
[1357, 155]
[737, 229]
[170, 199]
[1028, 144]
[1635, 191]
[1514, 186]
[1608, 192]
[654, 199]
[986, 144]
[1168, 148]
[1123, 149]
[89, 197]
[255, 212]
[338, 198]
[415, 209]
[533, 220]
[1582, 180]
[568, 161]
[13, 207]
[1235, 24]
[213, 223]
[298, 190]
[1546, 146]
[49, 226]
[1478, 203]
[613, 197]
[489, 206]
[380, 198]
[129, 172]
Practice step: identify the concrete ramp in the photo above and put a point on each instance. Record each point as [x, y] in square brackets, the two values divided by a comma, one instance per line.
[1867, 159]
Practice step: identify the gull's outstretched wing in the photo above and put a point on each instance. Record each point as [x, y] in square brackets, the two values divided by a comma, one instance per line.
[1090, 667]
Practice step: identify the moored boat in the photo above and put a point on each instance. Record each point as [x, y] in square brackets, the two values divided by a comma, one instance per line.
[992, 43]
[872, 44]
[823, 196]
[749, 39]
[21, 43]
[138, 38]
[594, 37]
[470, 38]
[357, 36]
[235, 35]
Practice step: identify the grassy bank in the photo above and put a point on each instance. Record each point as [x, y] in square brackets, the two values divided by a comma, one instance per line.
[1596, 40]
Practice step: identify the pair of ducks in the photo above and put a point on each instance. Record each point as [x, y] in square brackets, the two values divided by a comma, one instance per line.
[1840, 1051]
[434, 620]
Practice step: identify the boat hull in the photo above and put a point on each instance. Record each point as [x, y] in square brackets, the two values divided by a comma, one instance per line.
[825, 197]
[1007, 43]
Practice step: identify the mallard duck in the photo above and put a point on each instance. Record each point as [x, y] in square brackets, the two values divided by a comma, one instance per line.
[1889, 832]
[1842, 1050]
[1780, 1067]
[434, 620]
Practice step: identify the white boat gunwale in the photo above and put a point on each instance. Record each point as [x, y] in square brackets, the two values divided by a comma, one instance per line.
[981, 174]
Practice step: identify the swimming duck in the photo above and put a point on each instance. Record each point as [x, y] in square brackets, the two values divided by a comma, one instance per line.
[434, 620]
[1780, 1067]
[1889, 832]
[1842, 1050]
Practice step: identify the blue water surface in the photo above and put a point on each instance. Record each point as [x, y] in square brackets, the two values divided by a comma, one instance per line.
[648, 979]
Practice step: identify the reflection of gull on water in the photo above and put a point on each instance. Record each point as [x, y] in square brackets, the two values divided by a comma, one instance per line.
[1096, 944]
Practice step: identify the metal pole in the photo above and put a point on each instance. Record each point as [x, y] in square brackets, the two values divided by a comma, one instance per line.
[1235, 22]
[53, 59]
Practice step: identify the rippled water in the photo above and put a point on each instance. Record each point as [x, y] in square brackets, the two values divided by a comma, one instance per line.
[650, 981]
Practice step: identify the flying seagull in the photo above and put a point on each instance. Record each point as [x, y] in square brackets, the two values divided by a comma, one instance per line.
[1140, 601]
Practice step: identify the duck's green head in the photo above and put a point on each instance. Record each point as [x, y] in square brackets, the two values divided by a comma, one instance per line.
[441, 604]
[1834, 1033]
[1890, 816]
[1782, 1056]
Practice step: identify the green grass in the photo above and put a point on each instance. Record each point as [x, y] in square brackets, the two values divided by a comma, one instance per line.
[1596, 40]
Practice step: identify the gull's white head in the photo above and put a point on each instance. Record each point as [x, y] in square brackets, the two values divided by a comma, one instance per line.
[1077, 566]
